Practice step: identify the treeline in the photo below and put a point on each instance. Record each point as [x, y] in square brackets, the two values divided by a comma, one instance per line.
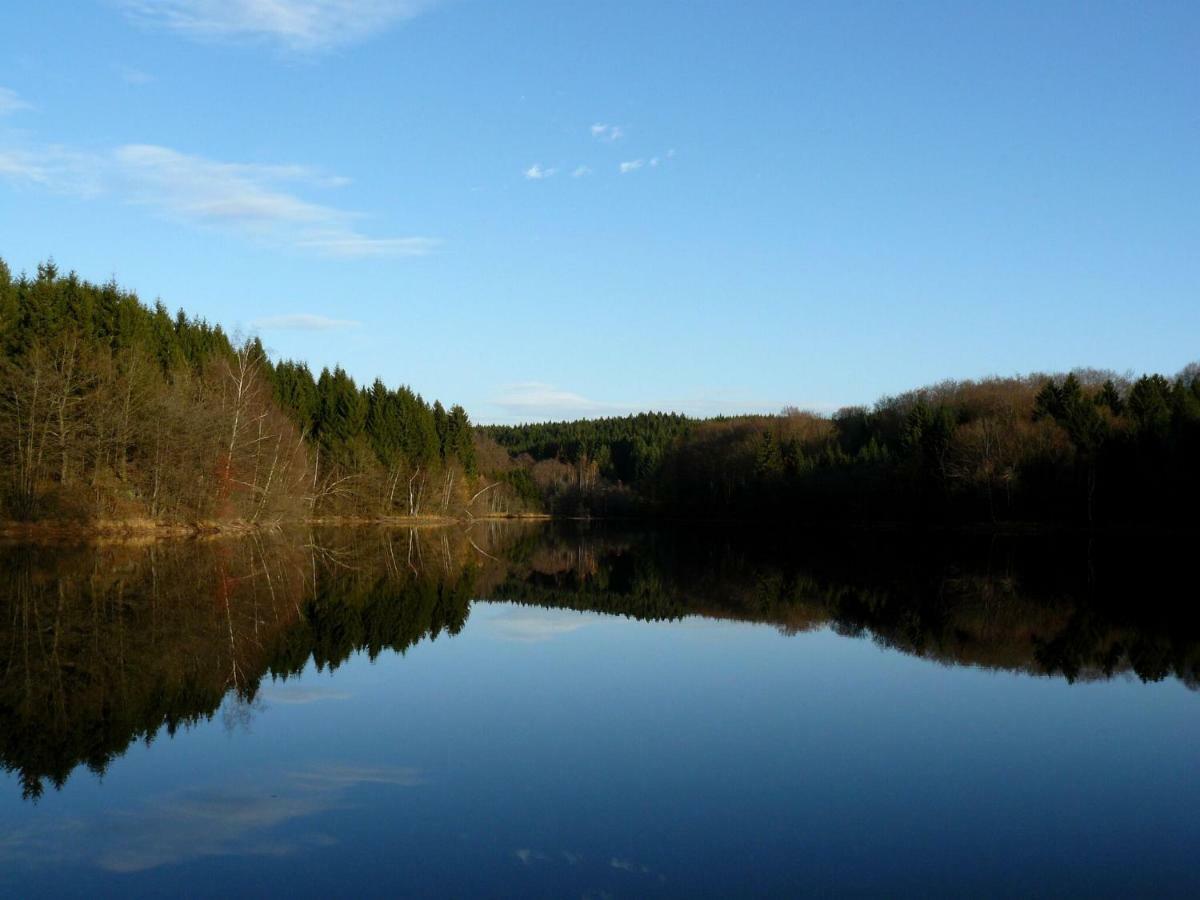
[587, 466]
[113, 410]
[1088, 448]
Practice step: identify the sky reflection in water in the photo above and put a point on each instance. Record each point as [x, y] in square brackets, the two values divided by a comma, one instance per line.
[558, 751]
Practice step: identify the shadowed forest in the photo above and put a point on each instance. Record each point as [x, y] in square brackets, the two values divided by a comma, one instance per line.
[1087, 448]
[112, 411]
[104, 646]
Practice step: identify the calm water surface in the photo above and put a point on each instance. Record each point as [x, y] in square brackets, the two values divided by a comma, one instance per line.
[514, 711]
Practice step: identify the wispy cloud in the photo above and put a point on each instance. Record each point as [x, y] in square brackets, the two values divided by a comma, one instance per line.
[302, 322]
[11, 102]
[305, 26]
[16, 166]
[54, 167]
[608, 133]
[537, 400]
[255, 200]
[581, 171]
[653, 162]
[537, 172]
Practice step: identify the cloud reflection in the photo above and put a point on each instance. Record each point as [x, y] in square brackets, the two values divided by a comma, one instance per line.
[299, 695]
[533, 625]
[224, 820]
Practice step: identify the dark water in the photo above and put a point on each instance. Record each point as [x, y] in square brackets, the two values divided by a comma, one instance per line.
[588, 712]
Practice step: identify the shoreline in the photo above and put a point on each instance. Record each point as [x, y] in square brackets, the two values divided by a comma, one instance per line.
[143, 531]
[149, 530]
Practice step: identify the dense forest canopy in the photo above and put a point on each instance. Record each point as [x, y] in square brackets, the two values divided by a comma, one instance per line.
[113, 410]
[110, 409]
[1086, 448]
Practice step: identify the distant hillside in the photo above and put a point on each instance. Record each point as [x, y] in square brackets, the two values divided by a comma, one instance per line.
[1082, 449]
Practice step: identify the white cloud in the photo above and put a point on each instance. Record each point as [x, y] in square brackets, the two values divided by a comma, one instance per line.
[581, 171]
[302, 322]
[537, 172]
[305, 26]
[653, 162]
[11, 102]
[53, 167]
[18, 166]
[608, 133]
[537, 400]
[251, 199]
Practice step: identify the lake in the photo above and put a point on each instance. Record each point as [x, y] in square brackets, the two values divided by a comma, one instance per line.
[591, 711]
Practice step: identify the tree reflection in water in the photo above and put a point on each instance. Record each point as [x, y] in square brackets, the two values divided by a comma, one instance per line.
[101, 646]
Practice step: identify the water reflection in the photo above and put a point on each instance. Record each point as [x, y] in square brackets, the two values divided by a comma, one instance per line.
[226, 819]
[101, 647]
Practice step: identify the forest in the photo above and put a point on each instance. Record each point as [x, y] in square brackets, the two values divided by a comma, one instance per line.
[115, 411]
[111, 410]
[1087, 448]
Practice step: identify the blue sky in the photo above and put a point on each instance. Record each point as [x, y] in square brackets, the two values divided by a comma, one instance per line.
[544, 209]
